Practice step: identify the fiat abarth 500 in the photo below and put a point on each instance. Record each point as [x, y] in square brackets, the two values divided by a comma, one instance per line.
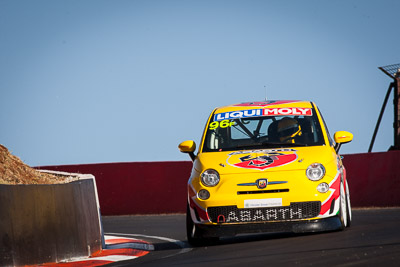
[266, 166]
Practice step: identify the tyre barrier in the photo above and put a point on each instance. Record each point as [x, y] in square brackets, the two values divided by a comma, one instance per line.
[49, 223]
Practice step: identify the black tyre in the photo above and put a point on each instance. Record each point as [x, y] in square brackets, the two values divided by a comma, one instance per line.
[195, 234]
[343, 207]
[349, 213]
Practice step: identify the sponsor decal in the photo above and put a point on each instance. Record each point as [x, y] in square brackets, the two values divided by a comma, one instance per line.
[262, 112]
[238, 114]
[287, 111]
[263, 203]
[261, 159]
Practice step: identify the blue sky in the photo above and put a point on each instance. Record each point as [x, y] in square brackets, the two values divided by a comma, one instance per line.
[120, 81]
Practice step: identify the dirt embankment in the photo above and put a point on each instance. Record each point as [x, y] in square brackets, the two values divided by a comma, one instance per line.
[13, 171]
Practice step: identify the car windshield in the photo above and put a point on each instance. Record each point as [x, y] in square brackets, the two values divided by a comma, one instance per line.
[255, 128]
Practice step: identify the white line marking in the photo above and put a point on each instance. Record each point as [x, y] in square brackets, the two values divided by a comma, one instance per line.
[140, 246]
[112, 258]
[181, 244]
[112, 237]
[137, 245]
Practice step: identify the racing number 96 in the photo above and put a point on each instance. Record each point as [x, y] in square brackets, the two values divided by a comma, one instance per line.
[223, 124]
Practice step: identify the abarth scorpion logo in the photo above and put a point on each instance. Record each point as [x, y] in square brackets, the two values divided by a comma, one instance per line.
[262, 183]
[261, 159]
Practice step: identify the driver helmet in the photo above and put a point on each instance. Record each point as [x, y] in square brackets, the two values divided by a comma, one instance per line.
[288, 130]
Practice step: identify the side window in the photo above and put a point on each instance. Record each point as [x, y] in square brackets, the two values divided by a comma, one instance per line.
[216, 139]
[331, 142]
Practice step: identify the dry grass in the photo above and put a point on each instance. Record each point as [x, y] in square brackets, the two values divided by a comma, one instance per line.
[13, 171]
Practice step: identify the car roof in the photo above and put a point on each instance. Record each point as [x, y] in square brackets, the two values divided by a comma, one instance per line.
[265, 104]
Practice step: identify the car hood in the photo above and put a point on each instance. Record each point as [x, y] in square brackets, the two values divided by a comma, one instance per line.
[265, 160]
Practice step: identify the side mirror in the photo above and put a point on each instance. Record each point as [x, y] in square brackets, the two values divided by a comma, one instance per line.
[342, 137]
[189, 147]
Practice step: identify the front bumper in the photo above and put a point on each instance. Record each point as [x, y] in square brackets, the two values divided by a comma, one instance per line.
[304, 226]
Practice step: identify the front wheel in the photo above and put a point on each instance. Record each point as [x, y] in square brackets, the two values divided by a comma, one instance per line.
[343, 213]
[349, 213]
[195, 234]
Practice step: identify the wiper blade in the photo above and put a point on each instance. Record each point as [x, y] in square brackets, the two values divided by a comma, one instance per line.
[282, 144]
[269, 145]
[249, 145]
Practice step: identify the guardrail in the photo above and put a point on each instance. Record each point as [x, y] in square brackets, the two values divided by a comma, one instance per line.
[160, 187]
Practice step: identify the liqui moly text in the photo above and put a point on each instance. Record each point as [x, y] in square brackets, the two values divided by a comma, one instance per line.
[262, 112]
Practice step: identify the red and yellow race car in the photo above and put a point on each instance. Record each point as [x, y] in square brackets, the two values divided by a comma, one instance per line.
[266, 166]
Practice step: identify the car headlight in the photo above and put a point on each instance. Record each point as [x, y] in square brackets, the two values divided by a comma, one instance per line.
[315, 172]
[203, 194]
[210, 177]
[323, 187]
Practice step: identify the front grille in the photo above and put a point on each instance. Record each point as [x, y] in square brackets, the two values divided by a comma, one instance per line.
[296, 211]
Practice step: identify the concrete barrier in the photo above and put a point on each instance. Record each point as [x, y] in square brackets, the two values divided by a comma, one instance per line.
[160, 187]
[138, 187]
[374, 179]
[48, 223]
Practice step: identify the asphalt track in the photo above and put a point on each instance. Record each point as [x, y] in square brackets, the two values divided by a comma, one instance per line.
[372, 240]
